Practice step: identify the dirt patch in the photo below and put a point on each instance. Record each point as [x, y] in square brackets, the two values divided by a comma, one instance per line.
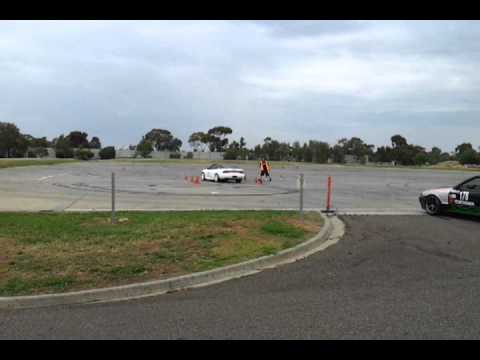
[305, 225]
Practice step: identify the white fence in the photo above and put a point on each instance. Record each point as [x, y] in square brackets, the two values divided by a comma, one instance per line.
[161, 155]
[165, 155]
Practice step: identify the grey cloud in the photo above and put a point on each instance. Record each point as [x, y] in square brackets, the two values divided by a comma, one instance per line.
[290, 80]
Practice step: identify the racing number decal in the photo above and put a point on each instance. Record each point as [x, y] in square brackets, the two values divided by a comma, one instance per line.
[464, 195]
[464, 199]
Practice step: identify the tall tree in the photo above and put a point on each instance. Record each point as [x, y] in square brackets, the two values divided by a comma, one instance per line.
[462, 148]
[297, 152]
[320, 151]
[9, 139]
[144, 148]
[198, 140]
[218, 138]
[78, 139]
[435, 155]
[242, 143]
[469, 156]
[356, 147]
[384, 154]
[163, 140]
[95, 143]
[398, 141]
[63, 147]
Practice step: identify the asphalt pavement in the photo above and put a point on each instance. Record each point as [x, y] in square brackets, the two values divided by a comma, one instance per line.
[390, 277]
[143, 185]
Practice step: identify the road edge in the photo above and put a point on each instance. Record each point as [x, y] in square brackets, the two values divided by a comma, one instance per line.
[331, 232]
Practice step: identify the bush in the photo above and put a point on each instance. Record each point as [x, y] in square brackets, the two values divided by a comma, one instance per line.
[107, 153]
[37, 152]
[189, 155]
[83, 154]
[469, 157]
[175, 156]
[64, 153]
[420, 159]
[41, 152]
[144, 148]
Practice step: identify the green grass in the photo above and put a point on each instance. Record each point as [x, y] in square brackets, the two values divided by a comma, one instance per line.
[277, 228]
[47, 253]
[22, 163]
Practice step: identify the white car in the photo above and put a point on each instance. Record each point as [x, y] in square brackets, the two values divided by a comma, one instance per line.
[217, 173]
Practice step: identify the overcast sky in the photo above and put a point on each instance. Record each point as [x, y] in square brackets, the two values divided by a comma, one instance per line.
[291, 80]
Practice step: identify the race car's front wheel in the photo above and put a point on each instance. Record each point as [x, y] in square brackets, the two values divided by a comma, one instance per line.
[217, 178]
[203, 176]
[433, 205]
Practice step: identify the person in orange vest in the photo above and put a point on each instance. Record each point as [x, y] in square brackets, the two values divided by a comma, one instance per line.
[265, 169]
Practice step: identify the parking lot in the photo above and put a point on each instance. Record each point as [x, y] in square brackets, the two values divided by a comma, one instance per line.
[144, 185]
[389, 277]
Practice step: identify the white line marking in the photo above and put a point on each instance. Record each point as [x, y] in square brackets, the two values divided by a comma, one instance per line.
[51, 176]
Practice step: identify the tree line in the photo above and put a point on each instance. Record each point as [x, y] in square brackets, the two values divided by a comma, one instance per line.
[14, 144]
[77, 145]
[214, 139]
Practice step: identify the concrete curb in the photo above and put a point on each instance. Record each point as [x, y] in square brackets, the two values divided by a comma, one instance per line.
[330, 234]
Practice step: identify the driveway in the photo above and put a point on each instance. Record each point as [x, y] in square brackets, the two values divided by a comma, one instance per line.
[389, 277]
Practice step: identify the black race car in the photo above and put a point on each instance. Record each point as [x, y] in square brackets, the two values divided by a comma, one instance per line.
[463, 198]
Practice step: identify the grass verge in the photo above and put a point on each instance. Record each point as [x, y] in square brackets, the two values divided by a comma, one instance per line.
[21, 163]
[49, 253]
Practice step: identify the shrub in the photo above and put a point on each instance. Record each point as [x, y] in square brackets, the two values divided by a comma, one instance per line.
[144, 148]
[189, 155]
[469, 157]
[37, 152]
[64, 153]
[63, 148]
[420, 159]
[175, 155]
[83, 154]
[41, 152]
[107, 153]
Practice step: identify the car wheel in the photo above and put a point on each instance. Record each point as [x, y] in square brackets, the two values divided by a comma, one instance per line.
[203, 176]
[239, 181]
[217, 179]
[433, 205]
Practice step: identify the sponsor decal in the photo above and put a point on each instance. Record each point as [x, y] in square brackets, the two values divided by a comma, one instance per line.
[464, 203]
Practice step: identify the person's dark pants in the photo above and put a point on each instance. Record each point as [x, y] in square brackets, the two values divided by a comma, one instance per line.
[266, 174]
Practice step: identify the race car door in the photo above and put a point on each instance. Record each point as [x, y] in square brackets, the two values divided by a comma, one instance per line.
[210, 172]
[469, 195]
